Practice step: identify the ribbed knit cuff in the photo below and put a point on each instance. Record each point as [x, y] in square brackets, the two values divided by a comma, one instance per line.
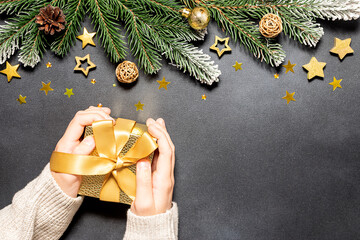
[55, 209]
[161, 226]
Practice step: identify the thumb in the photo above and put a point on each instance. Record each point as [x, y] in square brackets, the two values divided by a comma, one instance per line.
[144, 194]
[86, 146]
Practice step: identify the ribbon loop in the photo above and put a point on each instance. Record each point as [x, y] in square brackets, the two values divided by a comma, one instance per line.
[109, 141]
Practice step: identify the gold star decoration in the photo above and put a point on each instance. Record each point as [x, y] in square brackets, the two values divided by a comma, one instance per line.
[203, 97]
[289, 67]
[336, 83]
[21, 99]
[114, 85]
[10, 71]
[289, 97]
[276, 75]
[93, 81]
[78, 67]
[46, 87]
[237, 66]
[69, 92]
[314, 68]
[139, 106]
[225, 49]
[342, 47]
[99, 105]
[87, 38]
[48, 65]
[163, 83]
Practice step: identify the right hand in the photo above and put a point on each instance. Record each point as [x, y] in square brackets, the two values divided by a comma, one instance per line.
[155, 183]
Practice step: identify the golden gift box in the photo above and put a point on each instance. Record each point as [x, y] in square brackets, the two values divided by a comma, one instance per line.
[108, 173]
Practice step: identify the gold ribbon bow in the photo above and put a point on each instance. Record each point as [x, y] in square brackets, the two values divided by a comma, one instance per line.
[109, 141]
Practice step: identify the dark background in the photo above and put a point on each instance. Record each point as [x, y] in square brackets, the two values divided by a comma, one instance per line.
[248, 166]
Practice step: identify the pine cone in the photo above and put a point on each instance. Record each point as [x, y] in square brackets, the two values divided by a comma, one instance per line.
[51, 19]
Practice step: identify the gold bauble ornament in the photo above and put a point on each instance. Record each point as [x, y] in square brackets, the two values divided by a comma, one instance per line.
[127, 72]
[270, 25]
[198, 18]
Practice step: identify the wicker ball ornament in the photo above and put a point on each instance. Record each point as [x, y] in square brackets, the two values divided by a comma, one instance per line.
[270, 25]
[127, 72]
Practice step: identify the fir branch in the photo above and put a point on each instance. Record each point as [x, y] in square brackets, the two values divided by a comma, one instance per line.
[190, 59]
[14, 6]
[33, 46]
[246, 32]
[10, 36]
[108, 32]
[169, 42]
[74, 12]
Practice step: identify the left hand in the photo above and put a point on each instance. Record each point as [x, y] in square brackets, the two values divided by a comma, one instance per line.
[71, 143]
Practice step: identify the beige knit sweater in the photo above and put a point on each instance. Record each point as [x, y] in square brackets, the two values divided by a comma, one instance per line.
[43, 211]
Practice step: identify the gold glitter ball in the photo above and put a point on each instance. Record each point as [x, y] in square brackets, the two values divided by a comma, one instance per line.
[199, 18]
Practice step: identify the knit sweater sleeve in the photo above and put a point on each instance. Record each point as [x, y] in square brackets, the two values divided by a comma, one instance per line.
[41, 210]
[158, 227]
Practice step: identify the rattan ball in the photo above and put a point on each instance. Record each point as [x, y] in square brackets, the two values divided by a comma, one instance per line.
[270, 25]
[127, 72]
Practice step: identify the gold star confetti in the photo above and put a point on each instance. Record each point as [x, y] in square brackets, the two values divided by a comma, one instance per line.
[289, 97]
[336, 83]
[342, 47]
[48, 65]
[289, 67]
[225, 49]
[203, 97]
[237, 66]
[69, 92]
[139, 106]
[46, 87]
[91, 65]
[99, 105]
[87, 38]
[21, 99]
[114, 85]
[314, 68]
[276, 75]
[163, 83]
[10, 71]
[93, 81]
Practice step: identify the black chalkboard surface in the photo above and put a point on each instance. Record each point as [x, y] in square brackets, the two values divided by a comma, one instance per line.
[248, 166]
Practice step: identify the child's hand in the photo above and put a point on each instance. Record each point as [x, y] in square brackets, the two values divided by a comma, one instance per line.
[155, 184]
[70, 143]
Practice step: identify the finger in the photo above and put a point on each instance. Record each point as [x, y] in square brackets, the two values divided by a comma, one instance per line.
[86, 146]
[104, 109]
[161, 126]
[102, 113]
[77, 125]
[149, 122]
[144, 193]
[164, 162]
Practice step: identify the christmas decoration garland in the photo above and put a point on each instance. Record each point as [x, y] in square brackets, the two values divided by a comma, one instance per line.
[156, 28]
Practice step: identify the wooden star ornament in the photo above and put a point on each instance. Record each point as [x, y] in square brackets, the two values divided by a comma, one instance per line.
[163, 83]
[79, 61]
[314, 68]
[342, 47]
[86, 38]
[225, 49]
[46, 87]
[11, 71]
